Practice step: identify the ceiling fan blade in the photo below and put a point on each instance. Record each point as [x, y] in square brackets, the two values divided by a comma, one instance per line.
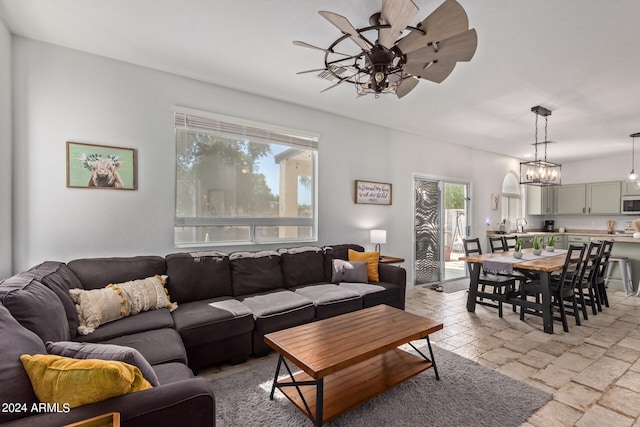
[345, 26]
[436, 71]
[317, 70]
[342, 80]
[398, 14]
[460, 47]
[406, 86]
[310, 46]
[446, 21]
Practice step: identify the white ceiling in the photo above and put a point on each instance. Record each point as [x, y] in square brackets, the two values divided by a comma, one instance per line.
[580, 59]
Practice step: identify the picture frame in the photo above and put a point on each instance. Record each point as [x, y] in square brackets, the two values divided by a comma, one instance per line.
[373, 193]
[100, 166]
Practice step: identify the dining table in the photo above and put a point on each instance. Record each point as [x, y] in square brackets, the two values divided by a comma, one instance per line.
[531, 266]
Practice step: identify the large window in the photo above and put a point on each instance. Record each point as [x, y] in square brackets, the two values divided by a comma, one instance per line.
[243, 182]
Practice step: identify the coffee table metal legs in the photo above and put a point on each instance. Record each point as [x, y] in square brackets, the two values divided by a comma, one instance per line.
[317, 420]
[319, 384]
[431, 359]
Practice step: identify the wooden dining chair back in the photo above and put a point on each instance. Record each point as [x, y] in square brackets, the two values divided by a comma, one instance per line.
[497, 244]
[503, 286]
[565, 296]
[562, 289]
[607, 247]
[585, 286]
[510, 242]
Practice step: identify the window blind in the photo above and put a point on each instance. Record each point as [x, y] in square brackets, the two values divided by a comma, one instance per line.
[223, 126]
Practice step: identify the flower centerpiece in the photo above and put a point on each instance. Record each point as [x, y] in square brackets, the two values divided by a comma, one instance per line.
[551, 243]
[517, 248]
[537, 244]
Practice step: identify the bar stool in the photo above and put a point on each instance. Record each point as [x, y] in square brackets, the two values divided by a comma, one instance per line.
[625, 272]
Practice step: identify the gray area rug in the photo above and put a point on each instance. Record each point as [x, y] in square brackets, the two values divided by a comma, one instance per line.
[468, 394]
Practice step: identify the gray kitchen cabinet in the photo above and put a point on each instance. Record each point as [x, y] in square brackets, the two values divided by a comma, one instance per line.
[541, 200]
[561, 241]
[597, 198]
[603, 198]
[630, 189]
[571, 199]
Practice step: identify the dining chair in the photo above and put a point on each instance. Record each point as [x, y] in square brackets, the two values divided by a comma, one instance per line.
[503, 286]
[510, 242]
[497, 244]
[563, 296]
[601, 289]
[585, 293]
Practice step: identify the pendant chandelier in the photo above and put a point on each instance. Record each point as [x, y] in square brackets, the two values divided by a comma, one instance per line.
[540, 172]
[633, 176]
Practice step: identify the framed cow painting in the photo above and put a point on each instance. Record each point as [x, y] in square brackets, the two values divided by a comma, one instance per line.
[100, 166]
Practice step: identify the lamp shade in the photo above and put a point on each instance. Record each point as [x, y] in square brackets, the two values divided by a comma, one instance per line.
[378, 236]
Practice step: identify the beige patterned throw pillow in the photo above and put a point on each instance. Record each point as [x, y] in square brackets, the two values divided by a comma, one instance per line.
[115, 301]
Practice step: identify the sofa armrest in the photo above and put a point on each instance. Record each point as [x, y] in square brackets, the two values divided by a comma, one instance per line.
[396, 275]
[188, 402]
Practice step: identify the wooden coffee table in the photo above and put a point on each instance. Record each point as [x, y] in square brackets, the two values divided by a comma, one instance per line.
[349, 359]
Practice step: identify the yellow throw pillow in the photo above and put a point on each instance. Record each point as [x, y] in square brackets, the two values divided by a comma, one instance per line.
[371, 258]
[63, 380]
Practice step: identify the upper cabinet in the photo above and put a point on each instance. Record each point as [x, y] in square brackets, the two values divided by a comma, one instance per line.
[603, 198]
[572, 199]
[630, 189]
[541, 200]
[598, 198]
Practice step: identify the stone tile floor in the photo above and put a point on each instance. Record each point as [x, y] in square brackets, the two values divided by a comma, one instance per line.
[593, 371]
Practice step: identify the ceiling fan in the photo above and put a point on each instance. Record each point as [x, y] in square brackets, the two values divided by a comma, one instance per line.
[380, 58]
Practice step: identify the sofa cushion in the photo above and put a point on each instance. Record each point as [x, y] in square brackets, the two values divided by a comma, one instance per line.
[274, 303]
[73, 382]
[331, 300]
[77, 350]
[349, 271]
[146, 321]
[371, 258]
[16, 341]
[58, 277]
[255, 272]
[98, 306]
[172, 372]
[376, 293]
[198, 276]
[96, 273]
[157, 346]
[211, 320]
[302, 266]
[35, 307]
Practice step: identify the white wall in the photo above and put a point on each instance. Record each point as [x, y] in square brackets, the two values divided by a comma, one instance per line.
[64, 95]
[6, 152]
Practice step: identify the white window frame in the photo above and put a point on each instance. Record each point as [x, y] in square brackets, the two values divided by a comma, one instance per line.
[226, 126]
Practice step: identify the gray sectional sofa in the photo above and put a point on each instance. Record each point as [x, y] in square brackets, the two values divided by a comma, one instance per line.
[226, 304]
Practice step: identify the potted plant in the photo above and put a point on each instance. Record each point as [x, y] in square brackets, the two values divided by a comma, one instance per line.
[551, 243]
[537, 244]
[517, 249]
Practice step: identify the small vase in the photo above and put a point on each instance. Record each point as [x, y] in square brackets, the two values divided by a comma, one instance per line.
[517, 255]
[550, 248]
[537, 251]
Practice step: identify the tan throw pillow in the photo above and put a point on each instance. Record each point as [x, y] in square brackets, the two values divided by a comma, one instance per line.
[98, 306]
[371, 258]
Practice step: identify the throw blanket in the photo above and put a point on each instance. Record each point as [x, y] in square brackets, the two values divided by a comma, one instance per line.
[504, 264]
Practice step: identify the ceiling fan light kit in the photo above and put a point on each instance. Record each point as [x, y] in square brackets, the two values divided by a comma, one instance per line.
[540, 172]
[393, 56]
